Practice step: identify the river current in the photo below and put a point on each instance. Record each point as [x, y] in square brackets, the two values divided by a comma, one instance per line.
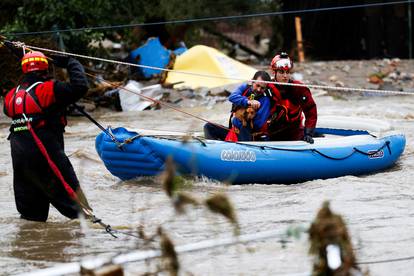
[378, 208]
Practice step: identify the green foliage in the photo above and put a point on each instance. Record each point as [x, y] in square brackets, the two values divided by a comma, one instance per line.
[8, 8]
[46, 15]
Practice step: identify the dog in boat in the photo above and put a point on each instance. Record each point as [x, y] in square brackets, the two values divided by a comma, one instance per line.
[245, 115]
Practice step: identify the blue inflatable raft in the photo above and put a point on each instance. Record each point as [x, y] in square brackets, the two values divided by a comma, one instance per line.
[341, 152]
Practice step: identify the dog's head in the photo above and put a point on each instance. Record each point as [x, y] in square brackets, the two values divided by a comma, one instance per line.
[250, 113]
[245, 115]
[240, 113]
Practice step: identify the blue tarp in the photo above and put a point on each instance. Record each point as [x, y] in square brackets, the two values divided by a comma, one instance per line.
[153, 54]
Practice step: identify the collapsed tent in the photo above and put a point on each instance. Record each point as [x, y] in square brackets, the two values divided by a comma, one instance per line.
[153, 54]
[201, 59]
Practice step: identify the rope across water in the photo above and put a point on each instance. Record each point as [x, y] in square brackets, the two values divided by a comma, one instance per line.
[323, 87]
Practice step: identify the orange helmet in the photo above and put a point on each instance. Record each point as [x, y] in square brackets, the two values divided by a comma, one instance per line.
[34, 61]
[281, 61]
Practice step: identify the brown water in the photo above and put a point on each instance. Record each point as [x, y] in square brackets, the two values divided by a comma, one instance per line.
[378, 209]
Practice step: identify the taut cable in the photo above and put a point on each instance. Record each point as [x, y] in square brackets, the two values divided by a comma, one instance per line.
[156, 101]
[324, 87]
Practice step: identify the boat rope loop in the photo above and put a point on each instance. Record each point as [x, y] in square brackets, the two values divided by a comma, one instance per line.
[354, 150]
[130, 140]
[369, 153]
[323, 87]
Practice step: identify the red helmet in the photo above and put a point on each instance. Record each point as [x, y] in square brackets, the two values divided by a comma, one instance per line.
[34, 61]
[281, 61]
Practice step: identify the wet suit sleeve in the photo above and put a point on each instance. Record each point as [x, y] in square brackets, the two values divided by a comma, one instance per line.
[309, 108]
[237, 98]
[67, 93]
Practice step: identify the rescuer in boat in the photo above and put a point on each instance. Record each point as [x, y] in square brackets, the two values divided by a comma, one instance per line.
[251, 98]
[290, 103]
[250, 110]
[42, 101]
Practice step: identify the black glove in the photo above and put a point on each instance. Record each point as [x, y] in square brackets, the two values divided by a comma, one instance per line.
[60, 60]
[18, 52]
[308, 135]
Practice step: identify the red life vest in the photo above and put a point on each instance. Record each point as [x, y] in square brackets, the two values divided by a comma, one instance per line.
[232, 135]
[284, 109]
[29, 103]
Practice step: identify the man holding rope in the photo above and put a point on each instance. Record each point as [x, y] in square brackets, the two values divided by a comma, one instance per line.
[37, 109]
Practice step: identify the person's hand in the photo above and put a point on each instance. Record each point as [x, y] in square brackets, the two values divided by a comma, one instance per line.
[8, 44]
[308, 135]
[18, 52]
[308, 139]
[253, 103]
[59, 60]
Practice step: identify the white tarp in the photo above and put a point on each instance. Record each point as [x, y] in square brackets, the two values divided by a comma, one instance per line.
[131, 101]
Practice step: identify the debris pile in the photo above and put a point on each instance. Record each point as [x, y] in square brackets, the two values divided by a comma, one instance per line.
[384, 74]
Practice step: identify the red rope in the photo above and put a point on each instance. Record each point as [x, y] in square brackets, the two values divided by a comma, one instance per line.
[69, 190]
[52, 164]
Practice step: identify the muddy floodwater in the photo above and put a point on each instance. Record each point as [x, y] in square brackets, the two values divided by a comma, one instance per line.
[378, 208]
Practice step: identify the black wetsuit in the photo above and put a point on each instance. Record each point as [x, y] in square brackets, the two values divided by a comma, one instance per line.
[35, 184]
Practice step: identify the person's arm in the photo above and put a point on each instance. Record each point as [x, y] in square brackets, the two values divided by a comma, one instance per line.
[236, 123]
[67, 93]
[237, 98]
[311, 115]
[309, 109]
[262, 113]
